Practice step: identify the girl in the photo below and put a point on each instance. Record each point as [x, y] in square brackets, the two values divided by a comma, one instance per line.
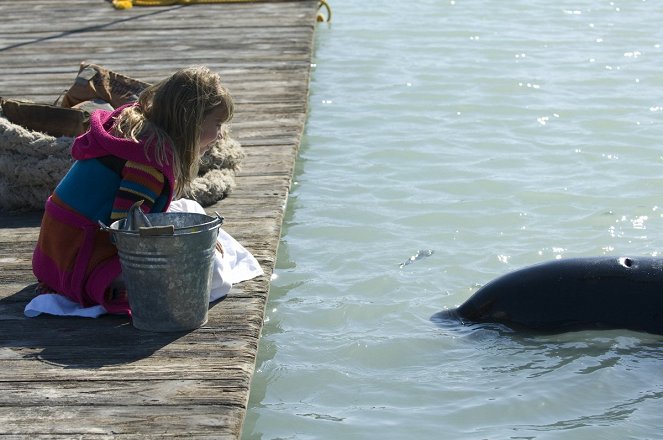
[148, 150]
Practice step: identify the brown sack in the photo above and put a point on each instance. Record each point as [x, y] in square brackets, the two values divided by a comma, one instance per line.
[96, 82]
[50, 119]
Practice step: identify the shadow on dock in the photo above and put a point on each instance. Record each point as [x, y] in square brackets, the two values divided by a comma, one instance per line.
[65, 341]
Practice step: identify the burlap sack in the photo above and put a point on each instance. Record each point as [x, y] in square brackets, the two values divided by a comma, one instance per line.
[50, 119]
[96, 82]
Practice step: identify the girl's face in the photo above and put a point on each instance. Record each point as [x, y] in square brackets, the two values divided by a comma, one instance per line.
[211, 129]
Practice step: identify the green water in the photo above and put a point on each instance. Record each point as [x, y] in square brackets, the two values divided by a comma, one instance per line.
[498, 134]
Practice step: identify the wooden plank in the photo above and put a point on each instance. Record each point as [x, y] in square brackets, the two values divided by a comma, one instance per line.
[190, 421]
[102, 378]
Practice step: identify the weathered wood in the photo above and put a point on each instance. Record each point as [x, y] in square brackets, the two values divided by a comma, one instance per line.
[101, 378]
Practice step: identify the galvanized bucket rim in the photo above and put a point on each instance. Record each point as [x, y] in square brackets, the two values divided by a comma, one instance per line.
[115, 227]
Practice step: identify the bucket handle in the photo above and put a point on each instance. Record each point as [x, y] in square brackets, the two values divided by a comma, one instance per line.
[160, 230]
[103, 226]
[106, 228]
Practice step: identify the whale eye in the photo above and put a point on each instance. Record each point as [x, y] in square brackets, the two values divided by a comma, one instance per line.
[626, 262]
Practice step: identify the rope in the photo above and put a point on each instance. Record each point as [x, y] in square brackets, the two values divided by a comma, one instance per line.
[126, 4]
[320, 17]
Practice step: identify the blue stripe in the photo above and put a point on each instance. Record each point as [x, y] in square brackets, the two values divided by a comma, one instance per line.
[89, 188]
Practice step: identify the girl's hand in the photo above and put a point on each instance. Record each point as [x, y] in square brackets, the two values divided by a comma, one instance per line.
[219, 247]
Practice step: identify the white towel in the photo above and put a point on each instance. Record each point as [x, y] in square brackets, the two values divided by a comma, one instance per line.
[236, 265]
[55, 304]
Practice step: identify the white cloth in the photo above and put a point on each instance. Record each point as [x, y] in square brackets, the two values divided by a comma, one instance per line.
[236, 265]
[55, 304]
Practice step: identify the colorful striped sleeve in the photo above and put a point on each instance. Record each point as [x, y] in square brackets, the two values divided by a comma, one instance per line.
[139, 182]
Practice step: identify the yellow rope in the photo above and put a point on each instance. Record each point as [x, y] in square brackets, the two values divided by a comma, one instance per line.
[126, 4]
[321, 17]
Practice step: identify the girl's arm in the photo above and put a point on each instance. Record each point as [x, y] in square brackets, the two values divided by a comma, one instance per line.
[139, 182]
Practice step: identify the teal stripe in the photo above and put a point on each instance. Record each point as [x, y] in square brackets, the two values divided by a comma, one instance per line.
[89, 188]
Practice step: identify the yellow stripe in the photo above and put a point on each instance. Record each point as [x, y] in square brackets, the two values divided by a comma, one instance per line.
[147, 169]
[138, 193]
[119, 215]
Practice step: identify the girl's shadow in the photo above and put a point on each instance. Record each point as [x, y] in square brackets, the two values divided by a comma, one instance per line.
[74, 342]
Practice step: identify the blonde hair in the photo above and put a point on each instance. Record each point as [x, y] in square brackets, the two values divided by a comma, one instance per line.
[170, 114]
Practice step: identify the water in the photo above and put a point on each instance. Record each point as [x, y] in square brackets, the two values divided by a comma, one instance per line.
[497, 134]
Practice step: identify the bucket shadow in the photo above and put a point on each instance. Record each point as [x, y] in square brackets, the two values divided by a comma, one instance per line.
[73, 342]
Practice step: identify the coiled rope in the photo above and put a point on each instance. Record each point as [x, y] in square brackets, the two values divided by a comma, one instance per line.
[320, 17]
[126, 4]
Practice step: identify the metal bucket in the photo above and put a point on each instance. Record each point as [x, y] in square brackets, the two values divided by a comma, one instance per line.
[168, 269]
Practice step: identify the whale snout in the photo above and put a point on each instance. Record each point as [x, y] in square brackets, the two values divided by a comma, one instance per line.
[476, 311]
[469, 313]
[446, 317]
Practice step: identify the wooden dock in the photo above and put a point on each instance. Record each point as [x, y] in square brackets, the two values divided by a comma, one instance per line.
[101, 378]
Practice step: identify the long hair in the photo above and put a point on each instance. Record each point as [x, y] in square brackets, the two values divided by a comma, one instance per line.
[170, 114]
